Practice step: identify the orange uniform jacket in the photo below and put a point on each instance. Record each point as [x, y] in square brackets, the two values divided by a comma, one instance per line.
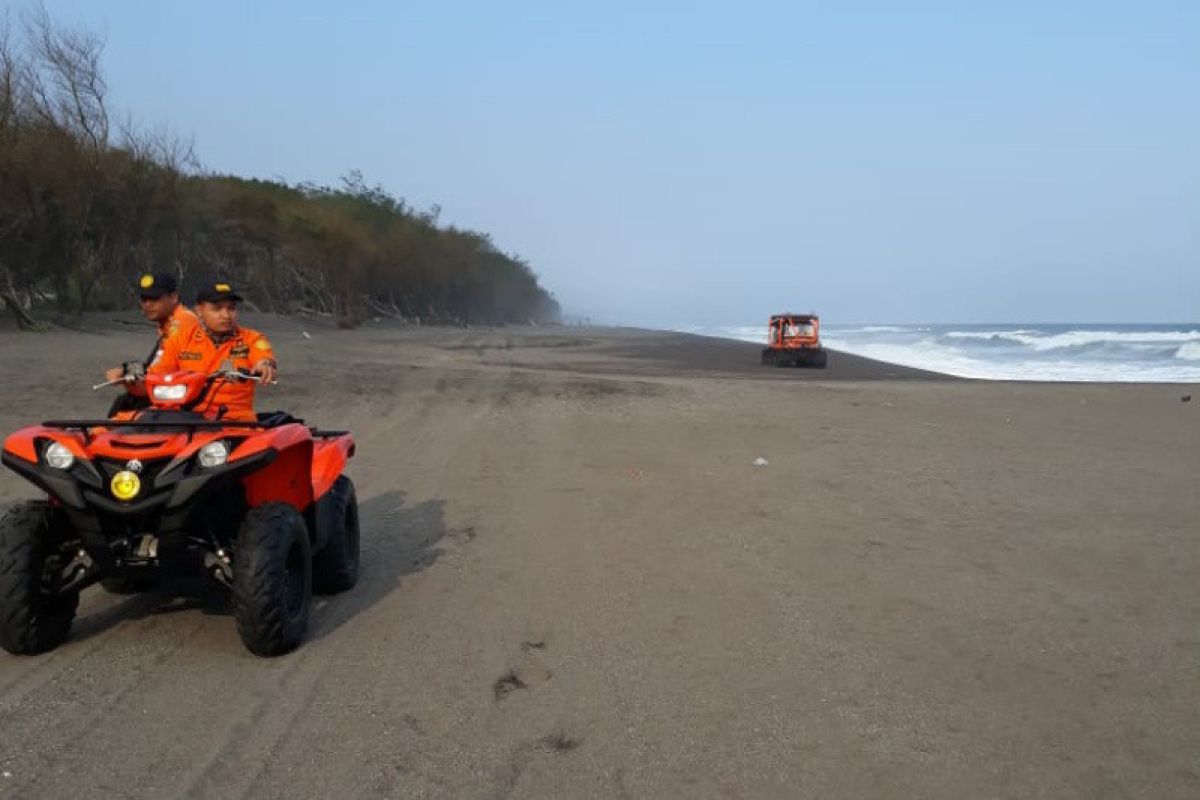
[180, 322]
[194, 350]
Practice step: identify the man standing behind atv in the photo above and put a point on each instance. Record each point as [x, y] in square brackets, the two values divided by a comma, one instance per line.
[219, 343]
[158, 295]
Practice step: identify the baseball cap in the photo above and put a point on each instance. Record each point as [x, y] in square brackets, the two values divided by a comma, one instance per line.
[212, 292]
[156, 284]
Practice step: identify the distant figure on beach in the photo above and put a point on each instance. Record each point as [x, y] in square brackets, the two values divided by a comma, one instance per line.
[158, 297]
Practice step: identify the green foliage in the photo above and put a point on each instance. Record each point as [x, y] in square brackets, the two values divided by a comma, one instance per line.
[82, 215]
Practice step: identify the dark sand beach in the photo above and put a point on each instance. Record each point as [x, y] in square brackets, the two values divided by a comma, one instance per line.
[576, 583]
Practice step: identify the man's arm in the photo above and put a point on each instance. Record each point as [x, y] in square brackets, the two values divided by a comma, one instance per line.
[262, 356]
[167, 358]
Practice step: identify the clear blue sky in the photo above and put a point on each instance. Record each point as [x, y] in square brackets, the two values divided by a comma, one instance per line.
[666, 163]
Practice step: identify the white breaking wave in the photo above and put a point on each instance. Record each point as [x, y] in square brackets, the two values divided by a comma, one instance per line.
[1189, 351]
[875, 329]
[1042, 342]
[1140, 354]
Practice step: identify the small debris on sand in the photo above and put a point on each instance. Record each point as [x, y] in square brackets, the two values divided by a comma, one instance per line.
[560, 742]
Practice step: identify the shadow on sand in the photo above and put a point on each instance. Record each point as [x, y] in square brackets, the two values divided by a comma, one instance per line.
[397, 540]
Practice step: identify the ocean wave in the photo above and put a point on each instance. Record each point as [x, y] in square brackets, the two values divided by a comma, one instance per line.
[872, 329]
[929, 354]
[1189, 351]
[985, 335]
[1041, 342]
[1021, 353]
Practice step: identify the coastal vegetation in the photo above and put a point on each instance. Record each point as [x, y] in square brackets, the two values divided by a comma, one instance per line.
[88, 201]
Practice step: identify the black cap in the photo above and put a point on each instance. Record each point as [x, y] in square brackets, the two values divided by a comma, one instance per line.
[213, 292]
[156, 284]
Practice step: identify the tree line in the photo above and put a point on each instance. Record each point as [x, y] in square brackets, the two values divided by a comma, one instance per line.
[87, 203]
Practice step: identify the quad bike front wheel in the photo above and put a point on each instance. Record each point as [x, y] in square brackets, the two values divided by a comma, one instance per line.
[335, 567]
[32, 618]
[272, 579]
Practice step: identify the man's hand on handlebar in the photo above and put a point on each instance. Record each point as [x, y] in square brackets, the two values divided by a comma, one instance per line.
[128, 373]
[265, 370]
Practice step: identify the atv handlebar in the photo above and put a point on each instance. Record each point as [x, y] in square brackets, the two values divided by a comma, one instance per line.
[131, 372]
[132, 376]
[237, 375]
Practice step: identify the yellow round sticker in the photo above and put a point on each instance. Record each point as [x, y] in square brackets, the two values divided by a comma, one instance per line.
[263, 344]
[146, 282]
[125, 485]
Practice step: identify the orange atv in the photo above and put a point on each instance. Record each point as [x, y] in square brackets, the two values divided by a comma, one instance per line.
[794, 340]
[261, 507]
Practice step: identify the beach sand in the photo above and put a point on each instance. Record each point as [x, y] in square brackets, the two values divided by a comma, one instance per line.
[576, 583]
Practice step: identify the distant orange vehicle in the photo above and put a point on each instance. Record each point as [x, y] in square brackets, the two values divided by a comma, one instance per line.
[794, 340]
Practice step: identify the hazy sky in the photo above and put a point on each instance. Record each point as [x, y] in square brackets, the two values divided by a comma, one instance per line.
[667, 163]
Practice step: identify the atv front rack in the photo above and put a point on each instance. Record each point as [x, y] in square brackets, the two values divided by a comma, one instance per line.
[207, 424]
[133, 423]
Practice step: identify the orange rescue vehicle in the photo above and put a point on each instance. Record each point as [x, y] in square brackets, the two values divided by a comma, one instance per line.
[794, 340]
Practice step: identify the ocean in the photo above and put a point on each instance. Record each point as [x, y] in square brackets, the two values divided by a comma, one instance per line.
[1041, 352]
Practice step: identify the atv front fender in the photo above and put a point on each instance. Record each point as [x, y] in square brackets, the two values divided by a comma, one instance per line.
[330, 454]
[287, 479]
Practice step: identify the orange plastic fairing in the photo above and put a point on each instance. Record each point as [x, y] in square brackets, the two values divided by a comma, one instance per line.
[329, 459]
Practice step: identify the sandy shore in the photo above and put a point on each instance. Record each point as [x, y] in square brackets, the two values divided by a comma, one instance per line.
[576, 584]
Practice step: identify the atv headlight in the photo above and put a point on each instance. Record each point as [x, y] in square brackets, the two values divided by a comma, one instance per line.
[58, 456]
[170, 393]
[213, 454]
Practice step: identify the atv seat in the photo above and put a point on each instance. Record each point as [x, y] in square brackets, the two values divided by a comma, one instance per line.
[273, 419]
[127, 402]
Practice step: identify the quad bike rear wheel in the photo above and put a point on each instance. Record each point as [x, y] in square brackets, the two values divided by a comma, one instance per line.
[32, 618]
[272, 579]
[335, 567]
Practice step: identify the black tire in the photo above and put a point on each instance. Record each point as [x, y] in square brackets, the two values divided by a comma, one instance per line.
[335, 567]
[272, 579]
[822, 360]
[31, 621]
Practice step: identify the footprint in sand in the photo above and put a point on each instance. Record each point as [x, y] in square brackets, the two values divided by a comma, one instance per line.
[529, 672]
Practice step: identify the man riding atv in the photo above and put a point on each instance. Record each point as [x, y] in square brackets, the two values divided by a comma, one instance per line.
[217, 343]
[195, 485]
[158, 296]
